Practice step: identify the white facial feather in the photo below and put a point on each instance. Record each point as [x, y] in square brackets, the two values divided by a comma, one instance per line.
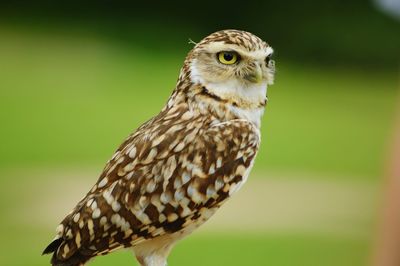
[253, 116]
[233, 88]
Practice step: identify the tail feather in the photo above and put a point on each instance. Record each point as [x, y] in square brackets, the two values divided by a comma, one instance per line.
[53, 246]
[77, 259]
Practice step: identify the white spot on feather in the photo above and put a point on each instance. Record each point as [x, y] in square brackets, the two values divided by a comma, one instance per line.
[132, 152]
[96, 213]
[78, 239]
[103, 220]
[185, 177]
[76, 217]
[179, 194]
[90, 227]
[103, 182]
[194, 194]
[179, 147]
[116, 206]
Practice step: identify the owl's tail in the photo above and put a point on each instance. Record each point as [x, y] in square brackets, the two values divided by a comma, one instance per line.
[77, 259]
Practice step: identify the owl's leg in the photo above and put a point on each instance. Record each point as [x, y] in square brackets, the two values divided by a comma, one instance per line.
[152, 260]
[154, 252]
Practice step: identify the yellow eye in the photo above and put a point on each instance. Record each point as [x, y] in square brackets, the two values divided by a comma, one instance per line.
[227, 58]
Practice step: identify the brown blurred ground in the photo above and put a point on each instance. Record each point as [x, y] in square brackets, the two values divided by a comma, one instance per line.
[387, 251]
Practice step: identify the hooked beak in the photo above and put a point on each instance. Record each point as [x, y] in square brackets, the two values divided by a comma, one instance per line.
[256, 75]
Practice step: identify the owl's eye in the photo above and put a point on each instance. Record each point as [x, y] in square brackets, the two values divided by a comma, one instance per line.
[228, 58]
[267, 59]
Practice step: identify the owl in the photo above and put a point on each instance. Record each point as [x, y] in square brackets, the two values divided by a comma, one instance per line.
[177, 169]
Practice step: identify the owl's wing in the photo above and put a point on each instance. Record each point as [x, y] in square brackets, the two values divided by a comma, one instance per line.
[160, 182]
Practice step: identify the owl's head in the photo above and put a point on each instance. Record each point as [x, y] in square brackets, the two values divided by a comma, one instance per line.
[233, 64]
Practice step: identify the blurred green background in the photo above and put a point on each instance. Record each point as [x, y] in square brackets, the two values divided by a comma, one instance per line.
[76, 78]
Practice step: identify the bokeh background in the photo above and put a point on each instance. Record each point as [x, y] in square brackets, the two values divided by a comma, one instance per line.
[77, 77]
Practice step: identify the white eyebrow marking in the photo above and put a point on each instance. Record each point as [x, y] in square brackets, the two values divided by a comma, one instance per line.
[269, 50]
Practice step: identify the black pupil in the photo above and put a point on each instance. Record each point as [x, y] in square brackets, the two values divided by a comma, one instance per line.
[228, 56]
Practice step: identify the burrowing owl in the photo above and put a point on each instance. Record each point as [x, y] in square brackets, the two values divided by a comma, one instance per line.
[178, 168]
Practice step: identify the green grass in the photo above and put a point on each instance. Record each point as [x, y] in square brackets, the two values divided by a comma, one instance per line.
[69, 100]
[259, 250]
[218, 249]
[269, 250]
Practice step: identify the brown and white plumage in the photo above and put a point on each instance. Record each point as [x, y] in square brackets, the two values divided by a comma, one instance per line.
[177, 169]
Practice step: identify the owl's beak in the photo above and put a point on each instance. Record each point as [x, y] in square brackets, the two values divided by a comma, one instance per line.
[255, 75]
